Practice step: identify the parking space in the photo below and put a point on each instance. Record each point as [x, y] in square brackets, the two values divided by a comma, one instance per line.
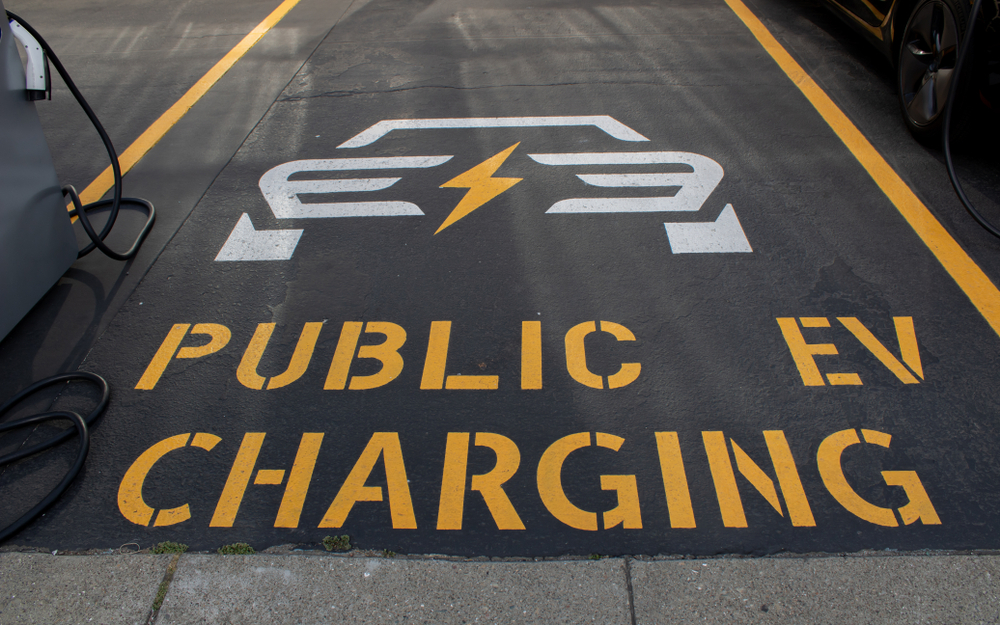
[542, 279]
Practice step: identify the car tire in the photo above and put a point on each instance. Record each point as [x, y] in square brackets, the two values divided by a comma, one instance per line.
[928, 51]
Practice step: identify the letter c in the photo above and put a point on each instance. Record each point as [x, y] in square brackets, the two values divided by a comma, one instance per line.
[576, 355]
[130, 501]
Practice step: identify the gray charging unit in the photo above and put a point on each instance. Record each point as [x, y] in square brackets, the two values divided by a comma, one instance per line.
[37, 244]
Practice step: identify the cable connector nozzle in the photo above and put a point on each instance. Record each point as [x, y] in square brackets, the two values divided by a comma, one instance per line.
[36, 71]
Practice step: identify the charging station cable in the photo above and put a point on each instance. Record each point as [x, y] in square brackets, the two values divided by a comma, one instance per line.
[81, 428]
[81, 211]
[963, 54]
[80, 424]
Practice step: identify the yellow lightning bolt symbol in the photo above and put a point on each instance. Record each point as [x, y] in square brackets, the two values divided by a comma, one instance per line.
[481, 185]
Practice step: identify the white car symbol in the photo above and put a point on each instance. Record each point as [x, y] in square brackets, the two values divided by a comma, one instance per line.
[692, 187]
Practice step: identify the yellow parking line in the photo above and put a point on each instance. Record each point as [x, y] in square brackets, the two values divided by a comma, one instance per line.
[970, 278]
[127, 159]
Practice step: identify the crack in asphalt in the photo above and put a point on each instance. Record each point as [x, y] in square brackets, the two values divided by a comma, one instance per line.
[357, 92]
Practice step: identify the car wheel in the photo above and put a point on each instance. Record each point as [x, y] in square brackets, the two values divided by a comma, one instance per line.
[927, 54]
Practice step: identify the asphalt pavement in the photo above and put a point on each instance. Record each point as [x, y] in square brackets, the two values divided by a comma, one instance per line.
[617, 312]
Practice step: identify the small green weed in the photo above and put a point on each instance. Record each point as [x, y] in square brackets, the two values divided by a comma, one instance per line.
[595, 556]
[161, 592]
[169, 547]
[236, 549]
[337, 543]
[388, 553]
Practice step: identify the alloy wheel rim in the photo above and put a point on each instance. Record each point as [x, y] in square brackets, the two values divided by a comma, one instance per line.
[927, 62]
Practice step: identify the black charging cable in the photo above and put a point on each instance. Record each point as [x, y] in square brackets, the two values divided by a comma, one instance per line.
[80, 428]
[949, 107]
[117, 202]
[81, 425]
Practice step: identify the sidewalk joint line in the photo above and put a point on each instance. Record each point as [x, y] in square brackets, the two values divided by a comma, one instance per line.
[162, 589]
[628, 586]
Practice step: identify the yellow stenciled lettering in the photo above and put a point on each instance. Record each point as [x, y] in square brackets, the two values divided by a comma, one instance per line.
[336, 379]
[626, 512]
[243, 468]
[298, 481]
[576, 356]
[436, 362]
[828, 458]
[802, 352]
[300, 357]
[247, 371]
[386, 353]
[728, 494]
[919, 506]
[269, 477]
[757, 478]
[629, 371]
[576, 359]
[531, 355]
[130, 502]
[907, 344]
[788, 479]
[489, 485]
[386, 445]
[219, 334]
[437, 356]
[721, 467]
[239, 479]
[908, 349]
[675, 484]
[452, 502]
[549, 480]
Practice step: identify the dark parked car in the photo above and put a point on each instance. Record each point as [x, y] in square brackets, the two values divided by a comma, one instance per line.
[922, 38]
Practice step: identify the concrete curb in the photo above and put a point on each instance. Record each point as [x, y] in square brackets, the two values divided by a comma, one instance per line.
[41, 588]
[894, 589]
[320, 588]
[290, 589]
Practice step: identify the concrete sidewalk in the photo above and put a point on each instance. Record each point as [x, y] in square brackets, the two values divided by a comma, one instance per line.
[309, 587]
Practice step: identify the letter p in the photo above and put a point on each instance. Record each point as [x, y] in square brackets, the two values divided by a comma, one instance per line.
[219, 334]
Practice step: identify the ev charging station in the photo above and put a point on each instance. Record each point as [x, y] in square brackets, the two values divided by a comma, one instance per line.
[37, 244]
[593, 335]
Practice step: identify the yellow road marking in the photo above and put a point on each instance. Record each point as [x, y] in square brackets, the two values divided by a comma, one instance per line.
[970, 278]
[127, 159]
[481, 184]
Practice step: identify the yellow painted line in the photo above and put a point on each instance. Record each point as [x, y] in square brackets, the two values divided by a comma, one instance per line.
[134, 153]
[970, 278]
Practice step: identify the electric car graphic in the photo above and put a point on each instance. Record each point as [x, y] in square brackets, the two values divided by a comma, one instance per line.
[688, 190]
